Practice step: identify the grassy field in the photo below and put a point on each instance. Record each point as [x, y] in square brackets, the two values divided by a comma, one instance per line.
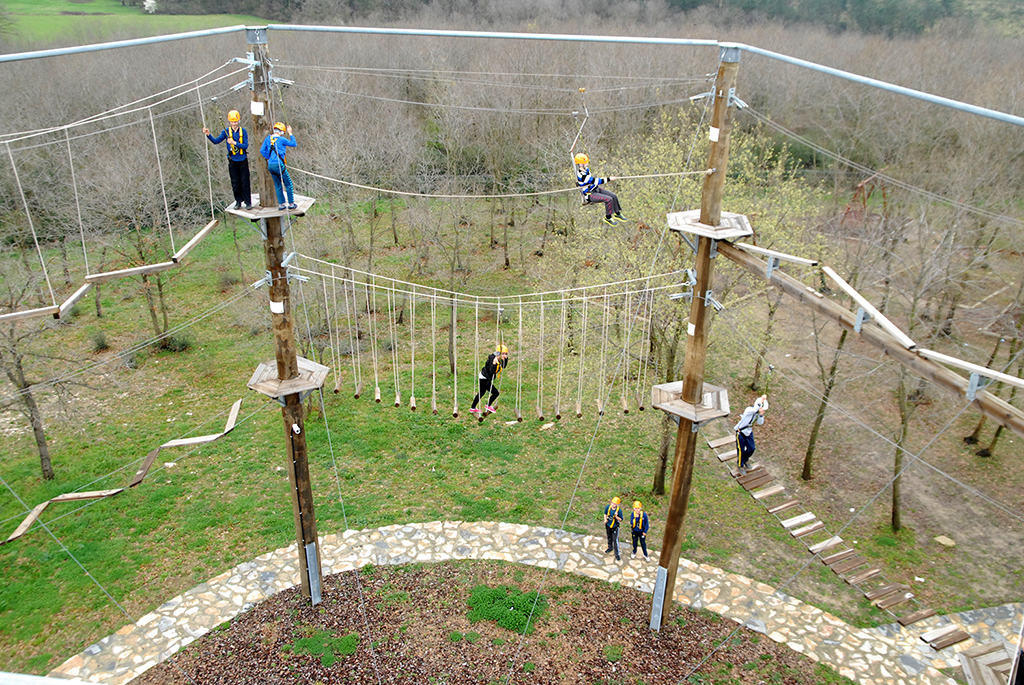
[90, 21]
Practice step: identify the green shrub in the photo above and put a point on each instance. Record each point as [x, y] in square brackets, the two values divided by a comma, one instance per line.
[472, 637]
[176, 343]
[509, 607]
[529, 667]
[454, 636]
[326, 645]
[99, 341]
[613, 652]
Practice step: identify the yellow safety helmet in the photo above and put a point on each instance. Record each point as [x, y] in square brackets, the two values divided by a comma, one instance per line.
[637, 505]
[279, 127]
[501, 349]
[615, 500]
[581, 158]
[234, 116]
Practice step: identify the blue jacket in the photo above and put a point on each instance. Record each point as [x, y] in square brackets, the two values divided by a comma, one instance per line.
[236, 146]
[275, 148]
[587, 182]
[613, 514]
[639, 524]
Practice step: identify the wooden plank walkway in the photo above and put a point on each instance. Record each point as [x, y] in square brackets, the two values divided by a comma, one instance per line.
[845, 563]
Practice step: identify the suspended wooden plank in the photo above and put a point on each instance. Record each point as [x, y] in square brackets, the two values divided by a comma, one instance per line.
[754, 484]
[894, 600]
[30, 314]
[807, 530]
[197, 440]
[726, 456]
[180, 254]
[719, 442]
[949, 640]
[877, 316]
[77, 496]
[827, 544]
[886, 590]
[144, 469]
[916, 616]
[848, 565]
[803, 261]
[29, 520]
[768, 492]
[784, 506]
[940, 632]
[233, 416]
[72, 301]
[797, 520]
[838, 556]
[864, 575]
[134, 271]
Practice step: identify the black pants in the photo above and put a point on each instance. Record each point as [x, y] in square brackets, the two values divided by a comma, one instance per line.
[613, 539]
[486, 384]
[642, 539]
[610, 200]
[745, 446]
[239, 173]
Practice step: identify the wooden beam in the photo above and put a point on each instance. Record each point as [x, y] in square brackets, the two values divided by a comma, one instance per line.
[72, 301]
[777, 255]
[29, 520]
[877, 316]
[134, 271]
[988, 404]
[30, 314]
[78, 496]
[232, 417]
[973, 368]
[180, 254]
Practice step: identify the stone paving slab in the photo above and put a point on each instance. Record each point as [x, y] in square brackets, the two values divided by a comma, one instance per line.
[887, 654]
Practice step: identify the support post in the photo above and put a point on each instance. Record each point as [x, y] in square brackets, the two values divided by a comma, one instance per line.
[293, 412]
[696, 340]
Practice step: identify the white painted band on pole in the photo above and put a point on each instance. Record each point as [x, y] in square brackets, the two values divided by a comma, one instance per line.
[713, 134]
[691, 329]
[256, 108]
[276, 307]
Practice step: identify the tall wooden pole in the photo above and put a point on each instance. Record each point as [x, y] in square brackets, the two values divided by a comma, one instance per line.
[284, 332]
[696, 341]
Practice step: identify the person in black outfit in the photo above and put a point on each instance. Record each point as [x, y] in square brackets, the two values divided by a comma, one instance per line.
[489, 375]
[238, 163]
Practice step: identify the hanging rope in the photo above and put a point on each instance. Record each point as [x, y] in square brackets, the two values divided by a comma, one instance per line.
[370, 318]
[206, 149]
[393, 333]
[78, 206]
[629, 330]
[354, 338]
[160, 171]
[601, 380]
[330, 333]
[540, 367]
[561, 354]
[412, 344]
[453, 336]
[519, 373]
[583, 355]
[645, 351]
[433, 355]
[35, 238]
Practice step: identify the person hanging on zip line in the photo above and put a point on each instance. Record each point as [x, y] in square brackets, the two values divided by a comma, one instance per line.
[274, 150]
[238, 161]
[745, 430]
[590, 188]
[489, 375]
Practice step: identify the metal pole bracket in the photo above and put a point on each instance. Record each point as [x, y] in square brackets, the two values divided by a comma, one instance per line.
[862, 317]
[977, 383]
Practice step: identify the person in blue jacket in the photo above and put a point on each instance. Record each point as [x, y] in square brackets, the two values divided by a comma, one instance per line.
[590, 188]
[612, 519]
[639, 524]
[238, 161]
[752, 415]
[275, 150]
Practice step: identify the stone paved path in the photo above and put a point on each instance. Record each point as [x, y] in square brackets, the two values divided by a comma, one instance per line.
[889, 654]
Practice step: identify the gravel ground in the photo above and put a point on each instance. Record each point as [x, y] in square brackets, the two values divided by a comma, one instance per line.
[408, 624]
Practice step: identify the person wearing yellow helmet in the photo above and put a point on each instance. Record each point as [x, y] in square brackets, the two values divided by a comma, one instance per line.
[612, 519]
[592, 192]
[744, 428]
[275, 150]
[490, 373]
[238, 161]
[639, 524]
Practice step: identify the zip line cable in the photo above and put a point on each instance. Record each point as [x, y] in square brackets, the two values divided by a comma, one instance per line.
[31, 225]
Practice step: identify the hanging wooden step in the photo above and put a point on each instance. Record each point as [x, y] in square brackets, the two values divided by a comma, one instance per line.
[827, 544]
[848, 565]
[30, 314]
[797, 520]
[886, 590]
[838, 556]
[779, 508]
[807, 530]
[863, 575]
[719, 442]
[893, 600]
[134, 271]
[940, 638]
[914, 617]
[758, 482]
[726, 456]
[751, 475]
[768, 492]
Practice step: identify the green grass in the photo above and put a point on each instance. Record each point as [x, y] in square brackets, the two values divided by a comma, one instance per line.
[48, 21]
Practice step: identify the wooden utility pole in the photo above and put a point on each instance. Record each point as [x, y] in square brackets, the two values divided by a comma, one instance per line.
[696, 341]
[288, 369]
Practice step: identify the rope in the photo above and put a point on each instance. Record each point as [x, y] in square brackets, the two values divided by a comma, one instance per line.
[476, 340]
[645, 354]
[353, 338]
[206, 149]
[393, 333]
[583, 355]
[78, 206]
[519, 374]
[540, 367]
[453, 336]
[330, 332]
[412, 344]
[601, 378]
[160, 171]
[629, 333]
[373, 340]
[561, 355]
[706, 172]
[429, 195]
[31, 225]
[433, 355]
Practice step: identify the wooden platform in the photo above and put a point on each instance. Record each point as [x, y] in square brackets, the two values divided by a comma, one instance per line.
[265, 381]
[987, 664]
[257, 212]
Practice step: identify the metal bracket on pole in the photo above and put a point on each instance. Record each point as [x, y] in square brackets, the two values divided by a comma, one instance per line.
[977, 383]
[314, 573]
[714, 248]
[263, 281]
[773, 264]
[257, 36]
[659, 598]
[687, 240]
[263, 228]
[862, 316]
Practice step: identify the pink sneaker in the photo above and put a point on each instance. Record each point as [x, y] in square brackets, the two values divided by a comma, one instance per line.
[474, 410]
[491, 409]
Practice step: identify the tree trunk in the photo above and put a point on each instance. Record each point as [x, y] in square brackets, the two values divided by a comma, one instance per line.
[451, 338]
[162, 300]
[151, 305]
[64, 259]
[17, 377]
[822, 407]
[96, 288]
[505, 246]
[238, 251]
[773, 307]
[668, 429]
[905, 410]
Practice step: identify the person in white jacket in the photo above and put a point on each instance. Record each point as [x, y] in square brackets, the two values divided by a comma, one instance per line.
[744, 428]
